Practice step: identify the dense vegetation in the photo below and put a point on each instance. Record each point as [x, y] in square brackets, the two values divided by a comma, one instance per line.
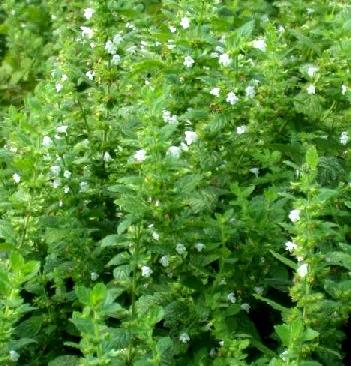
[175, 182]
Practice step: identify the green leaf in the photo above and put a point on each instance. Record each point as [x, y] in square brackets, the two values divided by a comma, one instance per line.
[98, 293]
[310, 334]
[16, 262]
[30, 327]
[83, 325]
[120, 258]
[66, 360]
[4, 282]
[83, 294]
[271, 303]
[122, 272]
[312, 157]
[284, 260]
[164, 344]
[113, 241]
[339, 259]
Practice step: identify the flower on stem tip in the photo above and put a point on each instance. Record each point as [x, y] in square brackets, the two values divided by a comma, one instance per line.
[302, 270]
[184, 337]
[190, 137]
[294, 215]
[188, 61]
[16, 177]
[88, 13]
[185, 22]
[232, 98]
[224, 59]
[146, 271]
[290, 246]
[180, 248]
[140, 155]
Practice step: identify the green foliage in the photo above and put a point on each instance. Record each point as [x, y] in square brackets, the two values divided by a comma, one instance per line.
[175, 182]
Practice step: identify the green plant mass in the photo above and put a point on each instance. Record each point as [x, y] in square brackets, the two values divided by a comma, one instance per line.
[175, 183]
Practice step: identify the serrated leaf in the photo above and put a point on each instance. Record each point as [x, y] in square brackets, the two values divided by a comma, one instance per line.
[122, 272]
[66, 360]
[284, 260]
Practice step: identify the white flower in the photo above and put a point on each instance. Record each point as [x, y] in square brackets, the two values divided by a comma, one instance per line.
[241, 129]
[116, 59]
[344, 138]
[254, 171]
[311, 70]
[58, 87]
[55, 169]
[64, 77]
[250, 91]
[93, 276]
[185, 22]
[215, 92]
[66, 189]
[245, 307]
[199, 246]
[311, 89]
[146, 271]
[16, 177]
[180, 248]
[90, 74]
[168, 117]
[88, 13]
[47, 141]
[294, 215]
[344, 89]
[164, 261]
[110, 47]
[172, 29]
[188, 61]
[290, 246]
[190, 137]
[302, 270]
[87, 32]
[14, 356]
[260, 44]
[184, 337]
[107, 156]
[281, 29]
[117, 39]
[232, 98]
[174, 151]
[56, 183]
[224, 59]
[231, 297]
[83, 186]
[130, 26]
[61, 129]
[155, 235]
[67, 174]
[140, 155]
[284, 355]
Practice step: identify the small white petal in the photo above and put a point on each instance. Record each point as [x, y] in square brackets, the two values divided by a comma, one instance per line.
[294, 215]
[302, 270]
[185, 22]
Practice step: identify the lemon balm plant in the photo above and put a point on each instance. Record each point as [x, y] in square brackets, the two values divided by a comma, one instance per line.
[157, 172]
